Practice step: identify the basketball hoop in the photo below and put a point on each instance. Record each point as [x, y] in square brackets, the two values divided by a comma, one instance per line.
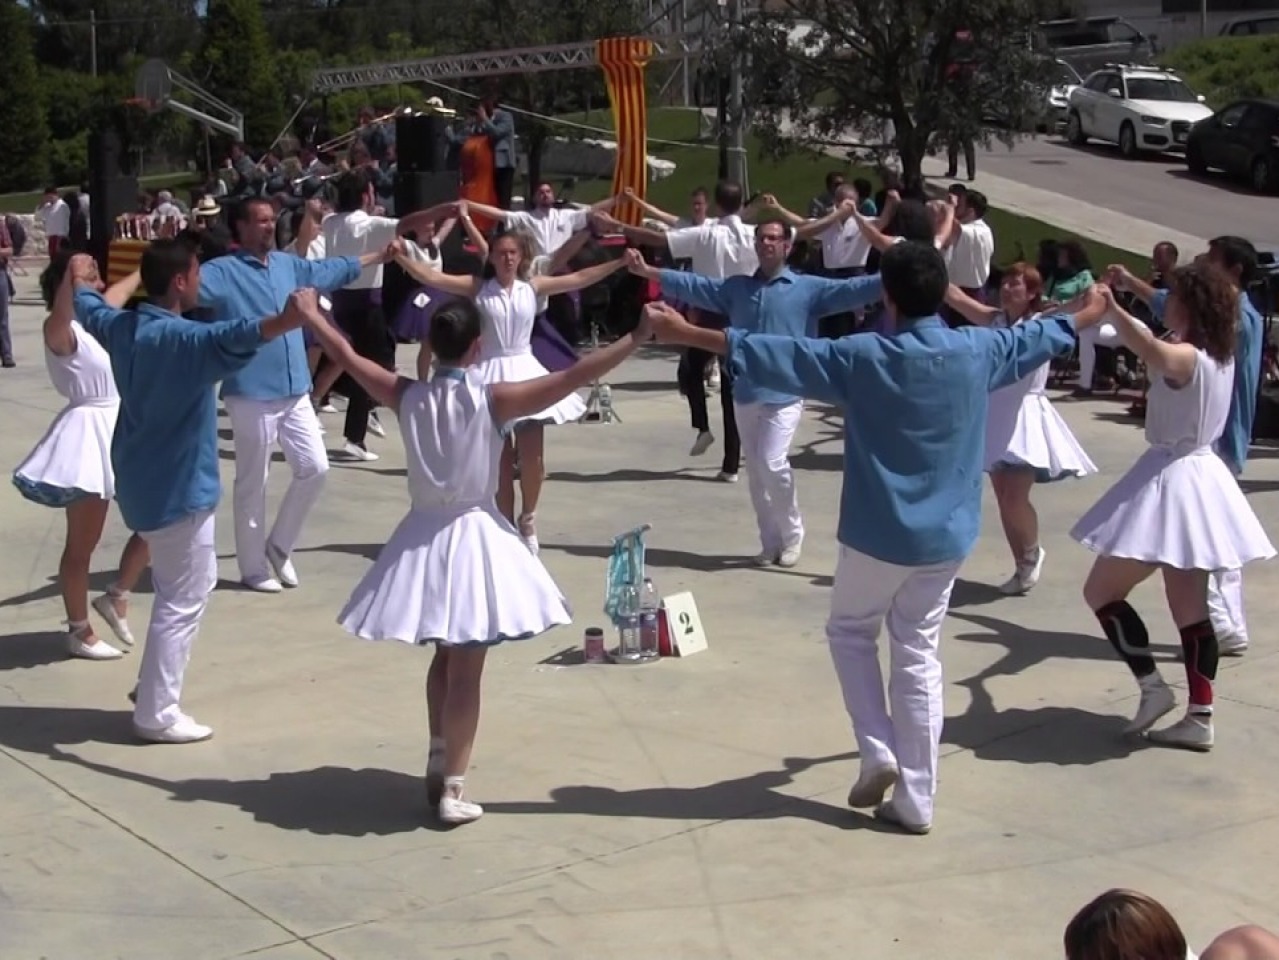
[153, 85]
[142, 103]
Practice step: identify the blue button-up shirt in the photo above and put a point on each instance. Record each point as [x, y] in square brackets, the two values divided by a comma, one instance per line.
[165, 448]
[787, 305]
[914, 421]
[1232, 445]
[240, 285]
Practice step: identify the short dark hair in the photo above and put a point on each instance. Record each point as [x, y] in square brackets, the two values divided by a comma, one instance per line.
[1169, 246]
[834, 179]
[161, 262]
[957, 190]
[351, 188]
[728, 197]
[911, 221]
[977, 202]
[700, 192]
[244, 209]
[787, 232]
[203, 244]
[915, 278]
[454, 328]
[51, 276]
[863, 188]
[1236, 253]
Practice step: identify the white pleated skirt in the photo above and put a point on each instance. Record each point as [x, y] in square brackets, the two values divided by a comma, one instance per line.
[1183, 512]
[455, 580]
[524, 366]
[1035, 435]
[74, 455]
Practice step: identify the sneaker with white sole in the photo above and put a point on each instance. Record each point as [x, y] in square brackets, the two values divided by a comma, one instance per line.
[1027, 575]
[1157, 699]
[872, 783]
[282, 564]
[185, 730]
[375, 426]
[262, 584]
[789, 556]
[458, 810]
[356, 452]
[725, 477]
[104, 605]
[765, 558]
[1231, 645]
[702, 443]
[83, 645]
[887, 814]
[1191, 732]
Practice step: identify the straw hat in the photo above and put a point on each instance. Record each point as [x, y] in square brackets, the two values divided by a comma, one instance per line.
[207, 207]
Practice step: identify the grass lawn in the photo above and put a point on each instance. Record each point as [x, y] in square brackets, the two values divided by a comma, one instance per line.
[796, 179]
[21, 203]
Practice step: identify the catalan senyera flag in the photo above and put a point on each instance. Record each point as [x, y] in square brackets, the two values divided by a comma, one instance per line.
[623, 60]
[124, 257]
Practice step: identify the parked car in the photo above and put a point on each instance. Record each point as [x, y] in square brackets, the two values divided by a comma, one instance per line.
[1056, 81]
[1242, 141]
[1142, 109]
[1250, 26]
[1089, 43]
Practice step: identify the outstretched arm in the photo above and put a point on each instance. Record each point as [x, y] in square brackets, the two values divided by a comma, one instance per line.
[549, 286]
[979, 313]
[1173, 361]
[511, 401]
[870, 230]
[458, 286]
[652, 212]
[383, 385]
[58, 336]
[565, 254]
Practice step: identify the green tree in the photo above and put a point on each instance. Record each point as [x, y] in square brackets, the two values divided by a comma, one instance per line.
[235, 64]
[26, 162]
[918, 72]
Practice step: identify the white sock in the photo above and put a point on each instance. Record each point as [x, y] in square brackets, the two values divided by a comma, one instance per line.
[454, 786]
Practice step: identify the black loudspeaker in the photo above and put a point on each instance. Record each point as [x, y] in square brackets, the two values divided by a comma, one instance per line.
[415, 192]
[421, 144]
[113, 192]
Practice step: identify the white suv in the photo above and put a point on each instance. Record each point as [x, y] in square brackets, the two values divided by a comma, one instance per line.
[1140, 108]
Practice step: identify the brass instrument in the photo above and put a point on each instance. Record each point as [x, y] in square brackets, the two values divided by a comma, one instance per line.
[317, 177]
[348, 138]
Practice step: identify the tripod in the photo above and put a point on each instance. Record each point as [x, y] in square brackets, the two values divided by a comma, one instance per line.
[599, 405]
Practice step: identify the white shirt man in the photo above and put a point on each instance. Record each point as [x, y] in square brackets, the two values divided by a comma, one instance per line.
[55, 216]
[550, 226]
[166, 210]
[972, 244]
[719, 248]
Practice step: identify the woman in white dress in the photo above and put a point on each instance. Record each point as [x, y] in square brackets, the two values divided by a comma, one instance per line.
[70, 468]
[1027, 441]
[1177, 509]
[454, 573]
[508, 301]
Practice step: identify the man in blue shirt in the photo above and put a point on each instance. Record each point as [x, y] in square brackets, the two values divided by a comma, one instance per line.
[914, 408]
[269, 400]
[165, 452]
[1238, 258]
[774, 300]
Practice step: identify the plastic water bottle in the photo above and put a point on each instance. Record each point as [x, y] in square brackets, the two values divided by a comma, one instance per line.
[628, 625]
[649, 603]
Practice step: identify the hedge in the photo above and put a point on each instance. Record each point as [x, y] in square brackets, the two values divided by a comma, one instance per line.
[1223, 69]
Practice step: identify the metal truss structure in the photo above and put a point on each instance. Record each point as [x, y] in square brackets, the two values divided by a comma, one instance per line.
[562, 56]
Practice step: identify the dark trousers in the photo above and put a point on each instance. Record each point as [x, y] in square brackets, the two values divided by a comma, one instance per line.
[692, 382]
[504, 184]
[6, 291]
[970, 159]
[839, 324]
[358, 314]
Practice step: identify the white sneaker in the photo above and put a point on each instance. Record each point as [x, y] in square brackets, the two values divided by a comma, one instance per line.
[712, 381]
[282, 564]
[458, 810]
[105, 607]
[185, 730]
[887, 813]
[375, 426]
[725, 477]
[326, 408]
[83, 645]
[872, 783]
[1191, 732]
[262, 584]
[356, 452]
[1024, 580]
[702, 443]
[789, 557]
[1232, 645]
[1156, 700]
[765, 558]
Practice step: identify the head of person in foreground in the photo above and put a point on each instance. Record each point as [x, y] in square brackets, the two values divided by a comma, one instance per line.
[454, 334]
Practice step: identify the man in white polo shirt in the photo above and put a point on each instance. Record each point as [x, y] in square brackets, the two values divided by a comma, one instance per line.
[971, 245]
[719, 249]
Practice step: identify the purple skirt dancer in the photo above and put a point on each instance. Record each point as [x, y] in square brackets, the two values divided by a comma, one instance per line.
[412, 322]
[549, 347]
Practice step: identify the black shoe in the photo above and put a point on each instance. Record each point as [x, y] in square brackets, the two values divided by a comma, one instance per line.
[952, 175]
[7, 363]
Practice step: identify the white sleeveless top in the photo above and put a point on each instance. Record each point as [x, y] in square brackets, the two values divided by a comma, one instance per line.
[508, 318]
[451, 443]
[1190, 419]
[84, 377]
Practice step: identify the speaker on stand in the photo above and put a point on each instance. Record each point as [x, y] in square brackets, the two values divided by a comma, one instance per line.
[113, 191]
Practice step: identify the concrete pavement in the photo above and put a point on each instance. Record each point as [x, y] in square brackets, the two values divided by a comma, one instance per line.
[693, 809]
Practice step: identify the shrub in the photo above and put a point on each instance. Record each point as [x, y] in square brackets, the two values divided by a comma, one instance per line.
[1228, 68]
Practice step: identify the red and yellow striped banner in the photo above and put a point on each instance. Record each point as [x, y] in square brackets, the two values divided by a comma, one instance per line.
[623, 60]
[123, 257]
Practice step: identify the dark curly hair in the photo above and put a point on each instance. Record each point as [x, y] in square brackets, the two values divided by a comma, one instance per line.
[51, 276]
[1212, 307]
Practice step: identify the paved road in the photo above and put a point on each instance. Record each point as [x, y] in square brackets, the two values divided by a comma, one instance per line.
[1157, 189]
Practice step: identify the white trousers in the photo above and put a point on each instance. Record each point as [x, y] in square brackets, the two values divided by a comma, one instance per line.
[184, 571]
[914, 602]
[257, 426]
[1225, 605]
[766, 430]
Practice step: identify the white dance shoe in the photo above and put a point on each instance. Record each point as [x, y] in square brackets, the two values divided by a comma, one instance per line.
[872, 783]
[1027, 575]
[262, 584]
[354, 451]
[1191, 732]
[1157, 699]
[702, 443]
[82, 644]
[282, 564]
[105, 607]
[457, 810]
[185, 730]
